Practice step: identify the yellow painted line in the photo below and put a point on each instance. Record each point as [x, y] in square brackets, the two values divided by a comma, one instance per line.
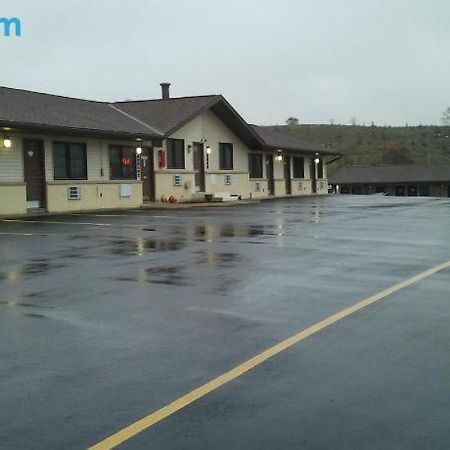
[161, 414]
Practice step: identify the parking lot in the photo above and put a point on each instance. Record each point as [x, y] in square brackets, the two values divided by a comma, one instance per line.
[107, 318]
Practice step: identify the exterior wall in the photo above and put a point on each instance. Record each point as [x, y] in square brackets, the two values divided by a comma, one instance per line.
[12, 198]
[12, 186]
[210, 130]
[97, 192]
[259, 188]
[301, 186]
[165, 188]
[94, 195]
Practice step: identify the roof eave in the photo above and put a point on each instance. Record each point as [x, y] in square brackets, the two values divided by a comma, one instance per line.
[43, 128]
[320, 152]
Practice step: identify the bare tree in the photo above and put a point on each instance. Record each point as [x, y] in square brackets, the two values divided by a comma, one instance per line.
[445, 119]
[292, 121]
[353, 121]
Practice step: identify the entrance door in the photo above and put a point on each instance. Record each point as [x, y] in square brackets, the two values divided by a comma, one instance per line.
[287, 174]
[270, 176]
[148, 174]
[400, 191]
[199, 167]
[312, 172]
[34, 172]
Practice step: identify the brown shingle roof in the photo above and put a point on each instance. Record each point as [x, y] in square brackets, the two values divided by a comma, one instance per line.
[274, 139]
[392, 173]
[170, 114]
[144, 118]
[20, 108]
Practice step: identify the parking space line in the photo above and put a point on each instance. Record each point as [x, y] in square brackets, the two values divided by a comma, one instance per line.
[145, 423]
[91, 224]
[58, 222]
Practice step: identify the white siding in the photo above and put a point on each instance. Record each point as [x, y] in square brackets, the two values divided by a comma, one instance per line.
[11, 166]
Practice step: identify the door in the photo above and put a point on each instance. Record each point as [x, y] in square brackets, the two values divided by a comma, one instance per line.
[199, 167]
[287, 174]
[34, 172]
[270, 176]
[312, 172]
[400, 191]
[148, 174]
[412, 191]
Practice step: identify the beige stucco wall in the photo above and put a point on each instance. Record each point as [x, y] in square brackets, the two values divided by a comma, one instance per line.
[263, 190]
[165, 188]
[210, 130]
[94, 195]
[98, 192]
[12, 198]
[301, 186]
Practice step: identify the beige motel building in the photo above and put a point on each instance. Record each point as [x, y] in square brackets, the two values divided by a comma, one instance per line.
[60, 154]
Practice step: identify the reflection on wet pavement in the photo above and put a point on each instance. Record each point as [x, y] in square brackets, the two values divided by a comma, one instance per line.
[35, 267]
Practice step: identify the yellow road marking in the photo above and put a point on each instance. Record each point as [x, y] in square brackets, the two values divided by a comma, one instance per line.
[161, 414]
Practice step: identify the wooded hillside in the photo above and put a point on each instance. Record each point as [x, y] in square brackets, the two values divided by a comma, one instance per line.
[378, 145]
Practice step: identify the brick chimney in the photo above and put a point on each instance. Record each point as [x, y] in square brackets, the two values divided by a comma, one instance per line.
[165, 90]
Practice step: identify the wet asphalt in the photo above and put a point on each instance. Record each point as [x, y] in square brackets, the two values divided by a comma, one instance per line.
[105, 318]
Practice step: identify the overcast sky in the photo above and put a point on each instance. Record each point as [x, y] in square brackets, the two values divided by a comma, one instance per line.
[386, 61]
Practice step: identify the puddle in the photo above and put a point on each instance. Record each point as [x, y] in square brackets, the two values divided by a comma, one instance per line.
[169, 275]
[35, 267]
[215, 232]
[222, 260]
[21, 304]
[128, 247]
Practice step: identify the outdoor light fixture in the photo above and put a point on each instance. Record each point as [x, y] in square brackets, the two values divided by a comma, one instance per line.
[317, 160]
[279, 157]
[7, 143]
[138, 149]
[208, 152]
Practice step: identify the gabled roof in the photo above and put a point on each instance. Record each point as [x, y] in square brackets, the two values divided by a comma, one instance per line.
[171, 114]
[392, 173]
[135, 119]
[274, 140]
[33, 110]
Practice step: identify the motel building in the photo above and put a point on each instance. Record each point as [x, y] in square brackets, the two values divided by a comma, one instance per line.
[60, 154]
[400, 180]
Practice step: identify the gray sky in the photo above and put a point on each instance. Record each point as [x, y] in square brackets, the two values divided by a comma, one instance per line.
[386, 61]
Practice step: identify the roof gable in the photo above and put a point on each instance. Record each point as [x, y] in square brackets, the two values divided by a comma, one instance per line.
[169, 115]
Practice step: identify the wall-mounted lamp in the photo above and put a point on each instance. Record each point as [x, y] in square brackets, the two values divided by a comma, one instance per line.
[279, 157]
[189, 148]
[139, 149]
[317, 160]
[208, 152]
[7, 143]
